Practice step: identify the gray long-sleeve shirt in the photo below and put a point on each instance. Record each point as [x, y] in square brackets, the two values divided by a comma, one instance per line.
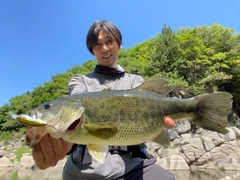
[115, 165]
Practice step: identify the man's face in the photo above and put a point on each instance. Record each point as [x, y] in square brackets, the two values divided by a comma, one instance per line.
[106, 50]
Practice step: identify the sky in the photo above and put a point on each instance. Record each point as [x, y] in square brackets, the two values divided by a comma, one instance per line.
[42, 38]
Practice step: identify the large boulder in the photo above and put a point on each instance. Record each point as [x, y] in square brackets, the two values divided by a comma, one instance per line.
[173, 162]
[26, 161]
[5, 162]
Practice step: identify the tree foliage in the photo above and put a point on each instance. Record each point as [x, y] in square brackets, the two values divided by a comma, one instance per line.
[135, 59]
[164, 52]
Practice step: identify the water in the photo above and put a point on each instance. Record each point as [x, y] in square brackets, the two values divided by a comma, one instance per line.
[202, 175]
[56, 173]
[28, 174]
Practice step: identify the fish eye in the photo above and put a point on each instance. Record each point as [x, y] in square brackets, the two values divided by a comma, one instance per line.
[47, 106]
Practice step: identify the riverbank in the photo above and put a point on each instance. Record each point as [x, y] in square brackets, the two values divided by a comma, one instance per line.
[190, 151]
[55, 173]
[25, 169]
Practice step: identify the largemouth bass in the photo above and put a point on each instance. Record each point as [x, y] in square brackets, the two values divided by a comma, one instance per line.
[129, 117]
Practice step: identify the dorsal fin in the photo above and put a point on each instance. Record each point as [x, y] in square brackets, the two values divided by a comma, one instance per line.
[156, 85]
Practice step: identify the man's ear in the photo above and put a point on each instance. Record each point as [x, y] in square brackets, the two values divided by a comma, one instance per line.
[120, 47]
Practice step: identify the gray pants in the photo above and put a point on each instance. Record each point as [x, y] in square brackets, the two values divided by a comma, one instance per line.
[148, 171]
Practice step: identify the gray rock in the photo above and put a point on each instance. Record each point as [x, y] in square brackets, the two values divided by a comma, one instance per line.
[5, 162]
[212, 135]
[185, 158]
[4, 153]
[174, 162]
[183, 127]
[176, 142]
[218, 141]
[197, 147]
[207, 143]
[26, 161]
[228, 163]
[185, 138]
[187, 150]
[217, 153]
[169, 152]
[203, 159]
[230, 135]
[172, 133]
[237, 132]
[211, 166]
[231, 148]
[154, 149]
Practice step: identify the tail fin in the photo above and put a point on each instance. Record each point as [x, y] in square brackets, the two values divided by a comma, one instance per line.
[213, 110]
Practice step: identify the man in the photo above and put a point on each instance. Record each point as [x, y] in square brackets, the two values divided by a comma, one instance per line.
[122, 162]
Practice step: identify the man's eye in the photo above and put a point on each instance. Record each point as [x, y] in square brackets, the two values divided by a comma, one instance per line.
[109, 42]
[97, 45]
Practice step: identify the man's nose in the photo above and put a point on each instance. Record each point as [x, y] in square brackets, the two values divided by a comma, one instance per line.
[105, 47]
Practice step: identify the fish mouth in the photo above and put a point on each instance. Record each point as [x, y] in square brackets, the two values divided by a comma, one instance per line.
[74, 125]
[65, 129]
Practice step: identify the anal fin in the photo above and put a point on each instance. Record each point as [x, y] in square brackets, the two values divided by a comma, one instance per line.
[162, 139]
[98, 152]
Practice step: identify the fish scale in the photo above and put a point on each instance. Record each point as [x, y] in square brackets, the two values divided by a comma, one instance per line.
[127, 118]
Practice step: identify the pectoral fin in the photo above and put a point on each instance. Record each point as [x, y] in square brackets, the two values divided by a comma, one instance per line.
[162, 139]
[103, 131]
[98, 152]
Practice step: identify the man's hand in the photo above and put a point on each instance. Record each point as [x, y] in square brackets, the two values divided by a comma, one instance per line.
[49, 151]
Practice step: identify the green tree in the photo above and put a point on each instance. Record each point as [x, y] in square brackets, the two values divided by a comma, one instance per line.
[135, 60]
[87, 67]
[164, 52]
[194, 58]
[56, 88]
[4, 117]
[217, 73]
[205, 55]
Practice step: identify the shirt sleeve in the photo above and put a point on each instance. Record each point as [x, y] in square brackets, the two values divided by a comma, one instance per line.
[137, 81]
[76, 85]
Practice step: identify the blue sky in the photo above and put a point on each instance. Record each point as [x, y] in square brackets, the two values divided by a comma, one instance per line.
[40, 38]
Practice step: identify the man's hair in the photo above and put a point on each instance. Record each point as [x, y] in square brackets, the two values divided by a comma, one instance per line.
[111, 30]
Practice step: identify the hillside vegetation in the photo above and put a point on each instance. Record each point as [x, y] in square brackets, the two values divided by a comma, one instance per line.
[200, 59]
